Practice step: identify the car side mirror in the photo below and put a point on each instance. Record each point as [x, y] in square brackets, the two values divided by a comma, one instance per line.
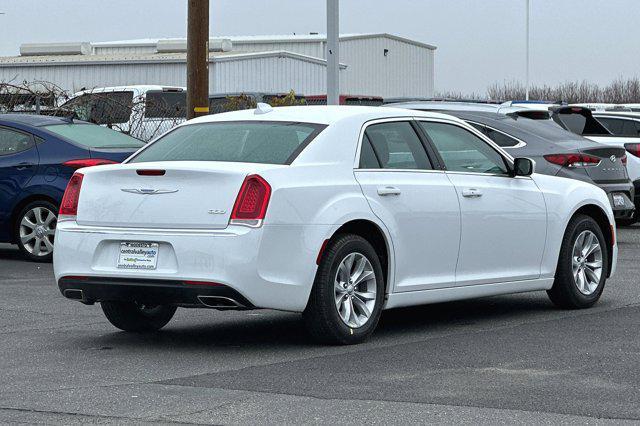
[523, 167]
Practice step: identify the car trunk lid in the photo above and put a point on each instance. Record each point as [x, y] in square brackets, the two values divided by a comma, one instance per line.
[175, 195]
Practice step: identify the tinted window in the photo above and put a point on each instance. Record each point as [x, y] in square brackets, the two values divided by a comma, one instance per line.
[368, 159]
[501, 139]
[231, 103]
[242, 141]
[12, 142]
[574, 122]
[92, 136]
[397, 146]
[463, 151]
[620, 127]
[165, 105]
[102, 108]
[479, 127]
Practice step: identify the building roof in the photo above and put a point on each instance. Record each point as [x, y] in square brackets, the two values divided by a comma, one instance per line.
[140, 58]
[275, 38]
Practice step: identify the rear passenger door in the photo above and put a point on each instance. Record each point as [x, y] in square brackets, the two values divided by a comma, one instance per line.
[504, 218]
[414, 199]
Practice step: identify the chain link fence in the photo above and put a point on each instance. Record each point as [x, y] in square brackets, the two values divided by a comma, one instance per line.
[143, 114]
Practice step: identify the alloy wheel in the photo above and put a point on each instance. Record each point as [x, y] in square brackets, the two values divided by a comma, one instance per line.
[355, 290]
[37, 230]
[586, 262]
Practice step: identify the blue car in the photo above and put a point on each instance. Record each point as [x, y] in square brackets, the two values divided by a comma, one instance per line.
[38, 155]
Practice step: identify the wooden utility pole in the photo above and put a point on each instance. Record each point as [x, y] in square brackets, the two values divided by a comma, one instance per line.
[197, 58]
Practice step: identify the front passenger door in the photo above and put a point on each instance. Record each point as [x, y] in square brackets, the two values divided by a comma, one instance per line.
[504, 218]
[18, 164]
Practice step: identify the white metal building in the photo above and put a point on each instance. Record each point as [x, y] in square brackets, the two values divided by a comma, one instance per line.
[372, 64]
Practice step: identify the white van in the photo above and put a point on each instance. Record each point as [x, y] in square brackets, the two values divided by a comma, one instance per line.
[142, 111]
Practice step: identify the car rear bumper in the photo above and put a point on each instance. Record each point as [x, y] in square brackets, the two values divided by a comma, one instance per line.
[628, 191]
[269, 267]
[151, 292]
[636, 186]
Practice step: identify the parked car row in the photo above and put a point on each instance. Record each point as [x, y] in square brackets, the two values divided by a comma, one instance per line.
[327, 211]
[552, 135]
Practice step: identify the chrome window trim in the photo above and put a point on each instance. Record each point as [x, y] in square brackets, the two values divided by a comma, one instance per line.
[466, 126]
[462, 124]
[365, 125]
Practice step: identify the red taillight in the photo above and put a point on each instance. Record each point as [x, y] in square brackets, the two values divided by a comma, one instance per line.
[633, 148]
[572, 160]
[150, 172]
[69, 205]
[252, 201]
[87, 162]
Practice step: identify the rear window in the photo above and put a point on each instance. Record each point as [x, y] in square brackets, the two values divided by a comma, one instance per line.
[102, 107]
[92, 136]
[165, 104]
[243, 141]
[574, 122]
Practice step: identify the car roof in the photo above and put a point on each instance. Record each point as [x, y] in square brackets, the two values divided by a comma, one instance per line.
[35, 119]
[320, 114]
[138, 88]
[620, 114]
[522, 128]
[446, 106]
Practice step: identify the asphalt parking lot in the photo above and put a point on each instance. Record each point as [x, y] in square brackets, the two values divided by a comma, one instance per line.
[494, 360]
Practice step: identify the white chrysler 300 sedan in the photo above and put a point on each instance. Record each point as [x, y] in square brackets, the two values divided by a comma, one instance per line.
[335, 212]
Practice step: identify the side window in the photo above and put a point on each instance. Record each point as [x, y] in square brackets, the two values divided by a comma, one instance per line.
[613, 125]
[501, 139]
[396, 145]
[368, 159]
[479, 127]
[462, 151]
[12, 142]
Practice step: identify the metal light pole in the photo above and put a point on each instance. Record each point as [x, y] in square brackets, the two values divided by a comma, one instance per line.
[197, 58]
[527, 25]
[333, 52]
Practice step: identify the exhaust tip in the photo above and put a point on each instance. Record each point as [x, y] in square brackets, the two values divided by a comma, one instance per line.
[220, 302]
[73, 293]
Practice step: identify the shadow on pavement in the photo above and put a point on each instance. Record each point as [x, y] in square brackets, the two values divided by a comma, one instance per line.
[282, 330]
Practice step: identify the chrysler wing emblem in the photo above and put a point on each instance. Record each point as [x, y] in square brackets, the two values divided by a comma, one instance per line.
[148, 191]
[613, 158]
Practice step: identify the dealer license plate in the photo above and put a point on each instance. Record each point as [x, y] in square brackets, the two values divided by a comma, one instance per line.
[138, 255]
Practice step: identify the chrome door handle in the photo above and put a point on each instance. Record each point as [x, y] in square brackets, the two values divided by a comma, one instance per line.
[471, 193]
[383, 191]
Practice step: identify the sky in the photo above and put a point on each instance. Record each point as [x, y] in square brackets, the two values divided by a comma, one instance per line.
[479, 42]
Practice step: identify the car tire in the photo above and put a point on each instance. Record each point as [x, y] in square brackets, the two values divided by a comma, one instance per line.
[135, 317]
[338, 306]
[34, 230]
[579, 283]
